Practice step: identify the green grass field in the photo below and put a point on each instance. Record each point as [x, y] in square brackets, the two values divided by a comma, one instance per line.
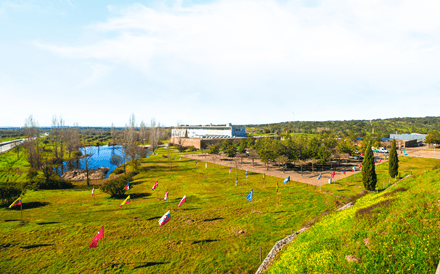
[388, 232]
[59, 225]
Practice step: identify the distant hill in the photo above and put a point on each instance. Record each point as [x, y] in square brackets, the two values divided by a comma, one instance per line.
[382, 127]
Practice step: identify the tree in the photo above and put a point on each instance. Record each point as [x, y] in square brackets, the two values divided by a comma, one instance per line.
[88, 153]
[214, 149]
[143, 133]
[250, 142]
[433, 137]
[155, 134]
[33, 150]
[393, 163]
[242, 146]
[282, 160]
[324, 154]
[301, 163]
[253, 155]
[369, 177]
[225, 144]
[267, 150]
[231, 151]
[313, 161]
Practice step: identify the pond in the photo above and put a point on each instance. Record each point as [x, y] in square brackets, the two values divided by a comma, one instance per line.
[101, 157]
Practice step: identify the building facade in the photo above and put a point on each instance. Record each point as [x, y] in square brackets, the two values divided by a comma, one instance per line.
[208, 131]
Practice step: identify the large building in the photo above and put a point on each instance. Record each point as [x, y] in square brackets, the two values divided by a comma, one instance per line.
[408, 140]
[208, 131]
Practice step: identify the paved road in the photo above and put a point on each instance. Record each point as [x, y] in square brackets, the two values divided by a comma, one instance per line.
[5, 146]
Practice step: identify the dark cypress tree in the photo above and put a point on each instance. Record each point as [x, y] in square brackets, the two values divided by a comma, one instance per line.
[393, 162]
[369, 170]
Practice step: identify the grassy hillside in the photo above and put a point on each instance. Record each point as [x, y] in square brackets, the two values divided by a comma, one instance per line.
[216, 231]
[395, 231]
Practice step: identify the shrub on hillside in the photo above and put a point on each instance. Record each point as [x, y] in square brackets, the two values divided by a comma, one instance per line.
[8, 193]
[118, 171]
[192, 148]
[180, 148]
[54, 182]
[116, 187]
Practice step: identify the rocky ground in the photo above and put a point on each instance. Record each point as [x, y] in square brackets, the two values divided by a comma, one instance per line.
[81, 175]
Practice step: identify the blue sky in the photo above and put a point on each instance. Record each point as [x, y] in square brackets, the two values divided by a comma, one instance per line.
[238, 61]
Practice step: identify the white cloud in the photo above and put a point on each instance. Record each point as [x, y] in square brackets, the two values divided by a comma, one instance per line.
[244, 48]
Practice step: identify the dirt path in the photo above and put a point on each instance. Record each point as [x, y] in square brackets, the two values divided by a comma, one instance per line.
[308, 177]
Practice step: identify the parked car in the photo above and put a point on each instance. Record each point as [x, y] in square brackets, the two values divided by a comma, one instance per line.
[358, 157]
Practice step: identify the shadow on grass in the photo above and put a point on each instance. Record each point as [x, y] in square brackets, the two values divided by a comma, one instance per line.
[204, 241]
[13, 220]
[139, 195]
[213, 219]
[30, 205]
[35, 246]
[195, 208]
[153, 218]
[150, 264]
[48, 223]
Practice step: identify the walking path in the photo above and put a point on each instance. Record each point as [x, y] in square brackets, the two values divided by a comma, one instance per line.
[308, 176]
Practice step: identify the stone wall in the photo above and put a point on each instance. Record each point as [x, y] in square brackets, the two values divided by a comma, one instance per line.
[201, 143]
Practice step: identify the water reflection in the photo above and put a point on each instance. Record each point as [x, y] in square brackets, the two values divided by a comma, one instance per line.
[102, 156]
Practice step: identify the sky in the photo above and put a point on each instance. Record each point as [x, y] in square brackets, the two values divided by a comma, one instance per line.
[219, 61]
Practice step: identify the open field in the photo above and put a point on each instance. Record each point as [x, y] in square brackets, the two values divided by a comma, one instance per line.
[216, 231]
[395, 231]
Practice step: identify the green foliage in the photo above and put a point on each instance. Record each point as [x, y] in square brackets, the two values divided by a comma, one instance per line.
[250, 142]
[393, 163]
[180, 148]
[8, 193]
[346, 146]
[231, 151]
[433, 137]
[353, 128]
[369, 177]
[214, 149]
[242, 146]
[116, 187]
[225, 144]
[398, 233]
[267, 149]
[53, 181]
[209, 230]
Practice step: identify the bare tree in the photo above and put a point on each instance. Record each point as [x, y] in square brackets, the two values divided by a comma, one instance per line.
[32, 142]
[113, 133]
[253, 155]
[143, 133]
[313, 161]
[301, 163]
[282, 160]
[61, 134]
[155, 134]
[88, 153]
[54, 135]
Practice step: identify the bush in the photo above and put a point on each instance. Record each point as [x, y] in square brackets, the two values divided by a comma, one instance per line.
[8, 193]
[192, 148]
[54, 182]
[118, 171]
[180, 148]
[116, 187]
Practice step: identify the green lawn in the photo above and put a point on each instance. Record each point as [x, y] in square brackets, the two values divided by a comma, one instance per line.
[60, 224]
[387, 232]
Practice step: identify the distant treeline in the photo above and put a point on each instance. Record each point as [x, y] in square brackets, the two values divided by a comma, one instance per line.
[382, 127]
